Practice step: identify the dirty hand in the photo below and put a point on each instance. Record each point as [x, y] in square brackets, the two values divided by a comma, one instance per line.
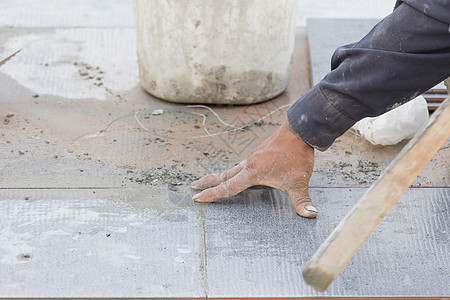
[283, 161]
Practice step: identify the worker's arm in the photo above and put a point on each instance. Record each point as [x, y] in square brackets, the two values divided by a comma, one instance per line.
[403, 56]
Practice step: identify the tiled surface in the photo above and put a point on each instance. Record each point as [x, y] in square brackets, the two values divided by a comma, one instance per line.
[325, 35]
[87, 243]
[346, 9]
[105, 13]
[257, 246]
[74, 149]
[69, 13]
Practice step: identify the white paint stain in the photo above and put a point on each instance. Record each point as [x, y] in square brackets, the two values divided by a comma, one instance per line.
[13, 245]
[119, 229]
[179, 259]
[184, 250]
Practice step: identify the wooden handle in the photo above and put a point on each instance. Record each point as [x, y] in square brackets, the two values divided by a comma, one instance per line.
[334, 254]
[9, 57]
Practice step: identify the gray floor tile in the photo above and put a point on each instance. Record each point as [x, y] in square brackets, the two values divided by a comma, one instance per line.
[326, 35]
[346, 9]
[81, 13]
[99, 243]
[150, 242]
[257, 245]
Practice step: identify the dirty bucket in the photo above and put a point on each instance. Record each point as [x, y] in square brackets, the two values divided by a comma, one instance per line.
[208, 51]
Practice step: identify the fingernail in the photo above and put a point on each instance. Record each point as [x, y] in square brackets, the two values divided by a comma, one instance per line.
[195, 184]
[194, 187]
[195, 197]
[311, 208]
[309, 212]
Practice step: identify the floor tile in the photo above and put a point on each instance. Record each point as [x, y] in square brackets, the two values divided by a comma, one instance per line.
[257, 245]
[99, 243]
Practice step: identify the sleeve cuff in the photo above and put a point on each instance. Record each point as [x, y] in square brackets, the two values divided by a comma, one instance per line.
[316, 120]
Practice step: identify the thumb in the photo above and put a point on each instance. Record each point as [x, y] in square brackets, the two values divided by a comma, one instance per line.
[302, 203]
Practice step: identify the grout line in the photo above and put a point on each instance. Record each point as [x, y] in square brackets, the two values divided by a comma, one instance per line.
[65, 188]
[12, 27]
[334, 298]
[144, 187]
[203, 264]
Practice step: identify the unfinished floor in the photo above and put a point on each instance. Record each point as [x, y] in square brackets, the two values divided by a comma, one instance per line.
[94, 188]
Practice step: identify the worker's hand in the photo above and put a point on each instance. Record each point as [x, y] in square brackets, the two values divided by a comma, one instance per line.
[283, 161]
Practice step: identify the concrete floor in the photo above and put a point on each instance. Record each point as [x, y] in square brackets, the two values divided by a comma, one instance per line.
[93, 205]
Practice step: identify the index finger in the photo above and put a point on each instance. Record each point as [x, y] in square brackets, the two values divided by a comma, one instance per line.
[215, 179]
[226, 189]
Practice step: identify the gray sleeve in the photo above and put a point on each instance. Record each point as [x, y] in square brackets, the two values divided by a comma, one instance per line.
[404, 55]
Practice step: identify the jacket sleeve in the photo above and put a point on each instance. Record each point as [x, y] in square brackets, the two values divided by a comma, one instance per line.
[403, 56]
